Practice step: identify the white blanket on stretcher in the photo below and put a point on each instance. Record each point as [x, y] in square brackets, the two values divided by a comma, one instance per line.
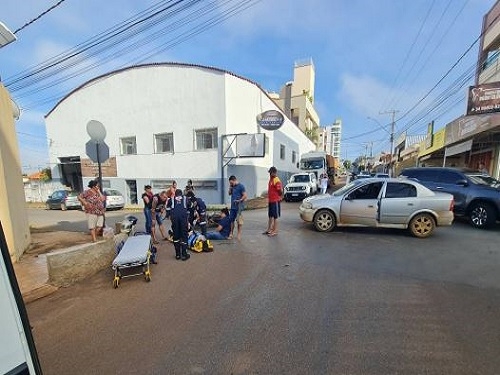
[135, 250]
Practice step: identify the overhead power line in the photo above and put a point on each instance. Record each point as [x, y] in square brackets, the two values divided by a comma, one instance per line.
[141, 36]
[39, 16]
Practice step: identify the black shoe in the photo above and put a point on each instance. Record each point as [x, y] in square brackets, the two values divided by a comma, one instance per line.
[177, 257]
[186, 257]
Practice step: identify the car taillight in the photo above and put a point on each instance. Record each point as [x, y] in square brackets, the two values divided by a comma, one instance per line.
[452, 204]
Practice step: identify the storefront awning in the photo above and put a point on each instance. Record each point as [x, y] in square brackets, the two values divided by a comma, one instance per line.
[458, 148]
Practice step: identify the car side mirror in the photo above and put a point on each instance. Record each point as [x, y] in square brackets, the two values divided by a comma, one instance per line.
[462, 182]
[348, 197]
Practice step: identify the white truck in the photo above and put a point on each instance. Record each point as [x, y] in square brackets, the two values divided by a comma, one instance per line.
[300, 186]
[319, 162]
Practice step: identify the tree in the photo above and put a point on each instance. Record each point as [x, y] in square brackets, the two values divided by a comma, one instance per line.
[46, 174]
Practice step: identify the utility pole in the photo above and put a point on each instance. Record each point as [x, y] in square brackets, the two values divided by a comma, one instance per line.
[393, 125]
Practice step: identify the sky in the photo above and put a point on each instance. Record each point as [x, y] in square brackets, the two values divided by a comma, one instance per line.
[372, 58]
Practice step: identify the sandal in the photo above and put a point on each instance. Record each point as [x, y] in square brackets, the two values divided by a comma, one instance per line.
[266, 232]
[272, 234]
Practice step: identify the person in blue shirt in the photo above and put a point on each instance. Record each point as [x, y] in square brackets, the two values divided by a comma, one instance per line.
[223, 229]
[238, 197]
[197, 212]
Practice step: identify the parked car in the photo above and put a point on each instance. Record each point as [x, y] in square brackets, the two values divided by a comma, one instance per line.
[477, 195]
[381, 175]
[63, 200]
[300, 185]
[114, 199]
[361, 175]
[383, 203]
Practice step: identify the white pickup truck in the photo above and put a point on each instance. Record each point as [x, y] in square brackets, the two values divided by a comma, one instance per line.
[300, 186]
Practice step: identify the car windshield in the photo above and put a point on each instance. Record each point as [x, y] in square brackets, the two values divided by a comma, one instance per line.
[72, 194]
[345, 188]
[311, 164]
[300, 178]
[484, 179]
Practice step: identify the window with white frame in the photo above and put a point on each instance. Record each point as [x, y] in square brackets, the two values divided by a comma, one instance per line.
[128, 146]
[164, 143]
[206, 139]
[282, 152]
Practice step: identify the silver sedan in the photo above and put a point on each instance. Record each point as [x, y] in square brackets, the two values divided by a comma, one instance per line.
[380, 202]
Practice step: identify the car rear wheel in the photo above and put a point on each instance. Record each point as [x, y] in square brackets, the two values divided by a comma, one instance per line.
[47, 206]
[482, 215]
[324, 221]
[422, 225]
[63, 207]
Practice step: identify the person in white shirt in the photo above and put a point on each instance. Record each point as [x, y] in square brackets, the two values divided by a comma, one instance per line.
[324, 183]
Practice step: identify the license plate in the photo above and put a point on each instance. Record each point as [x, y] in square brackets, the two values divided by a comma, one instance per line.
[295, 195]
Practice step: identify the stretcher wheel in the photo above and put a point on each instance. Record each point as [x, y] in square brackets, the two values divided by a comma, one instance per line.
[147, 276]
[116, 282]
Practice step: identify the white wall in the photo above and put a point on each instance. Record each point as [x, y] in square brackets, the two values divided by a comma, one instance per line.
[143, 101]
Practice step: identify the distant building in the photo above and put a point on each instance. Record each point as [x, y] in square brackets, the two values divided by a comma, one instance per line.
[331, 136]
[296, 100]
[172, 121]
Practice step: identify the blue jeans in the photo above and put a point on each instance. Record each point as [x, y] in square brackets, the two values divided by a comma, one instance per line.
[149, 220]
[215, 236]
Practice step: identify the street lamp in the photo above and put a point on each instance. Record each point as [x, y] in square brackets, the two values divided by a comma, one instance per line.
[6, 36]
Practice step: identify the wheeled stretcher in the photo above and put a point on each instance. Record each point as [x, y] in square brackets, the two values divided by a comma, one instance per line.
[136, 252]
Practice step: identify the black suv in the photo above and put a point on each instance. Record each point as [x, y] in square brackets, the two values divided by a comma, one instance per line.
[477, 195]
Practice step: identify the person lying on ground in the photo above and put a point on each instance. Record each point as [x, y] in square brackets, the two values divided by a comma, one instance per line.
[223, 229]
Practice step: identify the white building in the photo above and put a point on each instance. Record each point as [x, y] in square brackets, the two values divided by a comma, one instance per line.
[168, 122]
[331, 137]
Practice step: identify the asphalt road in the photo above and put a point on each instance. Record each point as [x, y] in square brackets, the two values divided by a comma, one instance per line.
[354, 301]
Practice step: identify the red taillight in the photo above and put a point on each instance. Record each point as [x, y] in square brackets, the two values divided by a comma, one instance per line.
[452, 204]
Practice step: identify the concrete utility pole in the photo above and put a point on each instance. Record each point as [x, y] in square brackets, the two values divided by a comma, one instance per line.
[393, 125]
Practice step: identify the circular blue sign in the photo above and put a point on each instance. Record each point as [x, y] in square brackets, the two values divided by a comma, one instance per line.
[270, 120]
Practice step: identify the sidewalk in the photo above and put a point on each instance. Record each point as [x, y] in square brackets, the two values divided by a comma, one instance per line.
[32, 277]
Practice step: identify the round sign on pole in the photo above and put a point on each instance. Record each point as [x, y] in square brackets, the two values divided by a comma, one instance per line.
[270, 120]
[96, 130]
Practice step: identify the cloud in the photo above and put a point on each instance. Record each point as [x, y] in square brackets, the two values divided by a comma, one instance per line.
[47, 49]
[368, 95]
[363, 93]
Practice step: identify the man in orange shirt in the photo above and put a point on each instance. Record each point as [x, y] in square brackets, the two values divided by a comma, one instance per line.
[274, 194]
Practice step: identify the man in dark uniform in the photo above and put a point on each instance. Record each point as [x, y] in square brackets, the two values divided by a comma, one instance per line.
[180, 225]
[197, 212]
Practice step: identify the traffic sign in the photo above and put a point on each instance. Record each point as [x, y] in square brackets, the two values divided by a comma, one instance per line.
[91, 148]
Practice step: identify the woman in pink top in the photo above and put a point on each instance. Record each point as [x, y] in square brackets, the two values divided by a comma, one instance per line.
[92, 201]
